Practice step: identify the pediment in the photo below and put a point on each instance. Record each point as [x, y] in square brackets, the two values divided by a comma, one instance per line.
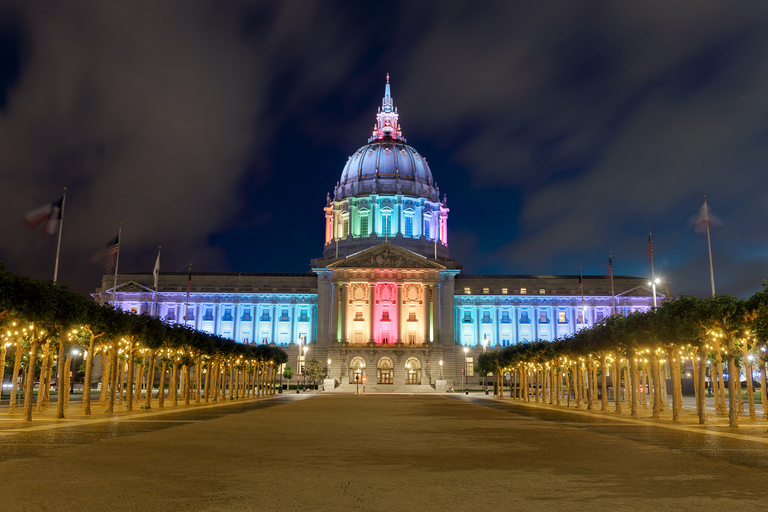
[385, 255]
[132, 287]
[640, 291]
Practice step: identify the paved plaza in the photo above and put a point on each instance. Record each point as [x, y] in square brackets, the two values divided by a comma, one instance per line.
[379, 452]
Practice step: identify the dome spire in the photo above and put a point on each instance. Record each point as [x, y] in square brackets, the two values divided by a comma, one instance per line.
[386, 118]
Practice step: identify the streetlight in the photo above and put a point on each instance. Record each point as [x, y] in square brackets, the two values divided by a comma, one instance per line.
[653, 284]
[441, 369]
[485, 377]
[466, 384]
[328, 371]
[298, 365]
[306, 368]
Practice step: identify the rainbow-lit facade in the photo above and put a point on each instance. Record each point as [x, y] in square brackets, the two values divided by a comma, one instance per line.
[385, 303]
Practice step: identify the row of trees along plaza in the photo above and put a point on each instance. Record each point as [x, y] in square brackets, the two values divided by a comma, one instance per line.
[41, 323]
[725, 333]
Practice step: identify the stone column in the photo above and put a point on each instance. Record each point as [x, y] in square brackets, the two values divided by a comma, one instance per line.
[435, 324]
[324, 307]
[478, 338]
[516, 318]
[333, 335]
[425, 311]
[235, 322]
[535, 321]
[371, 312]
[343, 313]
[446, 308]
[273, 334]
[399, 312]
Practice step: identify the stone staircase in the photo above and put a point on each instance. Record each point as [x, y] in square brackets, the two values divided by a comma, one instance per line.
[385, 388]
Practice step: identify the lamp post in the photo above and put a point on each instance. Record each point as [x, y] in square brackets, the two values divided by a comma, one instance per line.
[485, 376]
[441, 369]
[306, 370]
[298, 364]
[328, 371]
[466, 384]
[357, 383]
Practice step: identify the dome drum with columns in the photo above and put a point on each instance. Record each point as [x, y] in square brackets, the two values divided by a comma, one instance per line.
[386, 192]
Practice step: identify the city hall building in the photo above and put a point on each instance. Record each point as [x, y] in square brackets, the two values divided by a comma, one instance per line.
[385, 304]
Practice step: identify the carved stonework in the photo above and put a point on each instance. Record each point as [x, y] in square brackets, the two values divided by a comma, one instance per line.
[385, 255]
[412, 293]
[387, 292]
[358, 292]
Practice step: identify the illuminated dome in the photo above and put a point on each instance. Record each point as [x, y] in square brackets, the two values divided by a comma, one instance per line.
[386, 194]
[387, 165]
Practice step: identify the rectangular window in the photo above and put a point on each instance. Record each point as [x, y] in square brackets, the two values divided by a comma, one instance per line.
[543, 317]
[486, 290]
[385, 316]
[542, 291]
[190, 314]
[408, 225]
[470, 367]
[227, 315]
[386, 225]
[505, 317]
[246, 315]
[358, 316]
[561, 317]
[486, 317]
[504, 291]
[364, 225]
[345, 227]
[171, 315]
[580, 319]
[426, 228]
[208, 315]
[467, 316]
[303, 316]
[412, 316]
[600, 315]
[467, 291]
[523, 291]
[265, 316]
[524, 318]
[284, 315]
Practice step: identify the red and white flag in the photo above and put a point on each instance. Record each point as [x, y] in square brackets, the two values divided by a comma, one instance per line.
[49, 216]
[108, 254]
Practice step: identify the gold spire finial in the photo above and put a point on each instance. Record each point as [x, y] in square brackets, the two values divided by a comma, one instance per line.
[387, 77]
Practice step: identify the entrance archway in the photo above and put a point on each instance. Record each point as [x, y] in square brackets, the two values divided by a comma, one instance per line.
[412, 371]
[357, 370]
[385, 371]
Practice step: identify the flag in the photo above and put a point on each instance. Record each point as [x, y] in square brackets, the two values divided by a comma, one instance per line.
[704, 219]
[108, 254]
[189, 289]
[48, 215]
[649, 248]
[156, 271]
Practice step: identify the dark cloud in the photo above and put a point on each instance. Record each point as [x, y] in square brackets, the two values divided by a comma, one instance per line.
[559, 130]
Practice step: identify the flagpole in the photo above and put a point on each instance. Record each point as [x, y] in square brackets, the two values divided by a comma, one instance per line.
[117, 261]
[157, 277]
[653, 273]
[613, 293]
[189, 287]
[61, 228]
[709, 246]
[583, 313]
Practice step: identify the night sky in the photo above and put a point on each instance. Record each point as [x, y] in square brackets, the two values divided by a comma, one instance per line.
[558, 130]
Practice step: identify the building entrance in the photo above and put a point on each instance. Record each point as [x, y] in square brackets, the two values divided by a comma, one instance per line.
[385, 371]
[357, 370]
[412, 371]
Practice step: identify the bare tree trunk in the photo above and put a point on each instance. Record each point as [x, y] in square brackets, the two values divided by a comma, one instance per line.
[700, 398]
[633, 371]
[750, 387]
[29, 382]
[120, 378]
[617, 383]
[129, 387]
[112, 378]
[721, 384]
[86, 401]
[674, 366]
[62, 367]
[150, 379]
[106, 367]
[734, 392]
[173, 389]
[208, 377]
[763, 391]
[161, 388]
[46, 349]
[67, 380]
[17, 369]
[654, 374]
